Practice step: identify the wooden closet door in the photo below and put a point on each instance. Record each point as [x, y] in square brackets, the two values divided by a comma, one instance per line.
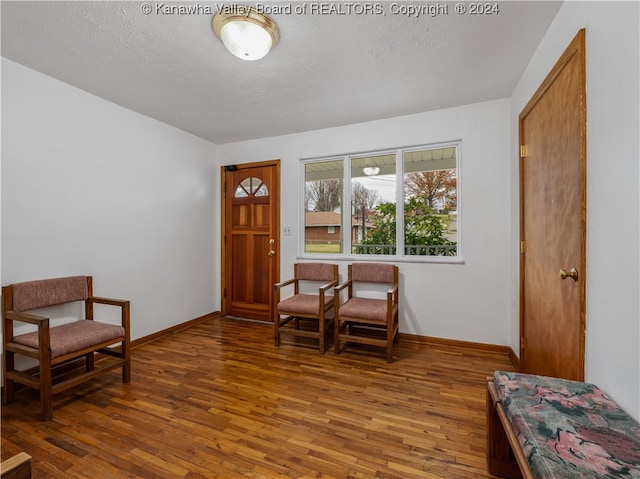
[553, 221]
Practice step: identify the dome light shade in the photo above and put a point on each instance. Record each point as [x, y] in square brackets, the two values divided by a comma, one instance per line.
[245, 33]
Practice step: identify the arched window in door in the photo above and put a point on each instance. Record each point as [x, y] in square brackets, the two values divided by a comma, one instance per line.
[252, 186]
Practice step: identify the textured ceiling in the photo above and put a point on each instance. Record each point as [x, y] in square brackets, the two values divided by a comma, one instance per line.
[330, 68]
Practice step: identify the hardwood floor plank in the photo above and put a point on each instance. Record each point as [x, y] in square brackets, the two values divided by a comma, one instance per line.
[219, 400]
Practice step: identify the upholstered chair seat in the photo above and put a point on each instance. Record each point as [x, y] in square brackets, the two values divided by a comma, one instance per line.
[75, 336]
[368, 309]
[304, 303]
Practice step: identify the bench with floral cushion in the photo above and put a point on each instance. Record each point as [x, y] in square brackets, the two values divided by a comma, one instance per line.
[543, 427]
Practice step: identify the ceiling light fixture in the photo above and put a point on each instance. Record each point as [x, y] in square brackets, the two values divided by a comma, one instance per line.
[371, 170]
[245, 32]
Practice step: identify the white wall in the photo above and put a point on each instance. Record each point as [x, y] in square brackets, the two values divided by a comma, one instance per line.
[91, 188]
[467, 301]
[613, 209]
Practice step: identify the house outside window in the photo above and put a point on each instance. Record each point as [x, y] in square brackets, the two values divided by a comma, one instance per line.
[401, 204]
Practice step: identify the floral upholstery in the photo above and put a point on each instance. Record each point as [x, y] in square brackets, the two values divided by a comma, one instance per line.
[75, 336]
[569, 429]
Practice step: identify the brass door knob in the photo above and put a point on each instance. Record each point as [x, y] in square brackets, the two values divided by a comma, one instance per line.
[271, 253]
[573, 274]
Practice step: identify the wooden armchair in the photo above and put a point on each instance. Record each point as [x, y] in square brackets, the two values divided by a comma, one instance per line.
[364, 319]
[306, 305]
[59, 346]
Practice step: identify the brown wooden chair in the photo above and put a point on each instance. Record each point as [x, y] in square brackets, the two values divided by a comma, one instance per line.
[363, 318]
[306, 304]
[58, 347]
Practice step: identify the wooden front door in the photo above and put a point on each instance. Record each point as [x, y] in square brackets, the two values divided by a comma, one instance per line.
[553, 221]
[250, 255]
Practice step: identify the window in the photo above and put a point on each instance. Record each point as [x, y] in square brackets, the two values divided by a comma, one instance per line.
[430, 201]
[323, 206]
[402, 203]
[251, 187]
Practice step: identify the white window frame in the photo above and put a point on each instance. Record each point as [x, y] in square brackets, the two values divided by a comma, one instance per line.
[346, 245]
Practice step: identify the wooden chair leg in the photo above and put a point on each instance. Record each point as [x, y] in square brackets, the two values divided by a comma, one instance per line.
[126, 369]
[46, 393]
[89, 361]
[9, 384]
[390, 343]
[321, 334]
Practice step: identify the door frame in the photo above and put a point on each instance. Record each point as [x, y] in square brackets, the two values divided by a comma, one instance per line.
[576, 47]
[223, 227]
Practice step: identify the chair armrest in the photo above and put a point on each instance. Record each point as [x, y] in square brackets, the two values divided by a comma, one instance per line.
[327, 286]
[124, 304]
[284, 283]
[392, 294]
[111, 301]
[26, 317]
[340, 287]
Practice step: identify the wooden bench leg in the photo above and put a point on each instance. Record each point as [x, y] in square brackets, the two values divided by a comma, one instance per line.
[16, 467]
[90, 361]
[46, 386]
[500, 458]
[126, 369]
[9, 384]
[321, 333]
[46, 394]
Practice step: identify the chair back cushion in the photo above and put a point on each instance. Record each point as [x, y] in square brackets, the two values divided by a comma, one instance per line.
[48, 292]
[315, 271]
[373, 272]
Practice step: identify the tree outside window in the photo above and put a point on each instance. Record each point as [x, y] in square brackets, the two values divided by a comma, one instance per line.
[423, 223]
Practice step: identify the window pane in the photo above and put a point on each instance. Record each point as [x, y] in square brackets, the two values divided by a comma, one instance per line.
[323, 206]
[430, 202]
[251, 187]
[373, 204]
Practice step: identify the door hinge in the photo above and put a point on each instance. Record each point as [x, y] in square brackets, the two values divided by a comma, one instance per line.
[524, 151]
[523, 342]
[523, 247]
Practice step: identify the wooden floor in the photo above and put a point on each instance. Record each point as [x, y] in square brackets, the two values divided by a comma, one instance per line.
[219, 400]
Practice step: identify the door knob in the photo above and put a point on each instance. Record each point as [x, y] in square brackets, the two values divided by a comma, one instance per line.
[271, 253]
[573, 274]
